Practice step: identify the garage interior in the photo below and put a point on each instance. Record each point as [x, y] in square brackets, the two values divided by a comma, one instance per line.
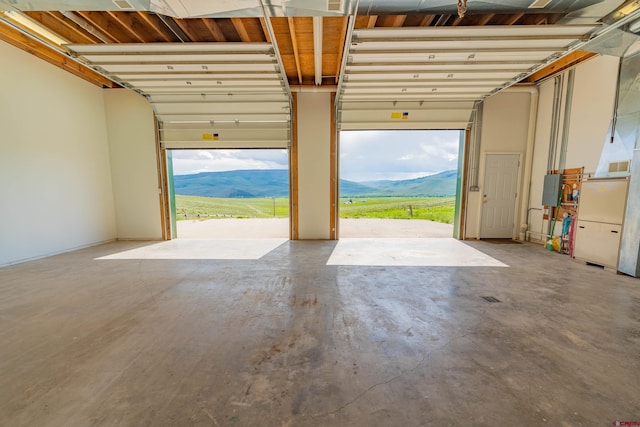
[107, 320]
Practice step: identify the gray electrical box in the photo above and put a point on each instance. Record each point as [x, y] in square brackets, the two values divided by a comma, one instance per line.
[551, 190]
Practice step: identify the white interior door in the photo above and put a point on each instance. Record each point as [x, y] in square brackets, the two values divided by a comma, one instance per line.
[499, 196]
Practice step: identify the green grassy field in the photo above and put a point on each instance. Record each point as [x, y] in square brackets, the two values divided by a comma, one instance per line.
[438, 209]
[193, 207]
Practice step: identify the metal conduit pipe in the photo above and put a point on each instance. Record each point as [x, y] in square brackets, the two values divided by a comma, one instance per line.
[474, 146]
[558, 87]
[616, 104]
[566, 120]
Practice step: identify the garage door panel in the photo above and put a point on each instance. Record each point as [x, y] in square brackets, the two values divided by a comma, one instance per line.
[203, 87]
[434, 64]
[405, 115]
[226, 134]
[239, 98]
[165, 108]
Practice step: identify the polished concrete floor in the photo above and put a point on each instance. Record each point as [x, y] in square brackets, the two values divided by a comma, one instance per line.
[117, 335]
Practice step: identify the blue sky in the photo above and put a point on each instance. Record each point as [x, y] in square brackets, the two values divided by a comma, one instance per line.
[364, 156]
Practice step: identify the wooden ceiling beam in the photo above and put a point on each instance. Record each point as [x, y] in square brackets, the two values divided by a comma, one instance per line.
[130, 25]
[541, 20]
[241, 29]
[294, 43]
[282, 37]
[427, 20]
[57, 23]
[533, 19]
[105, 26]
[52, 56]
[182, 24]
[177, 32]
[561, 64]
[513, 18]
[484, 20]
[156, 24]
[389, 21]
[397, 21]
[214, 29]
[265, 30]
[371, 23]
[254, 30]
[361, 22]
[229, 30]
[82, 33]
[456, 21]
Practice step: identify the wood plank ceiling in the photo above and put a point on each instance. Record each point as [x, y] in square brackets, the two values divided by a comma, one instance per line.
[294, 35]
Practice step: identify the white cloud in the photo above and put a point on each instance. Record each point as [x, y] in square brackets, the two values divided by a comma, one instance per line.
[187, 162]
[375, 155]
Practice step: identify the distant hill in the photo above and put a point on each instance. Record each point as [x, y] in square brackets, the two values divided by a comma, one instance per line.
[440, 184]
[351, 188]
[275, 183]
[240, 183]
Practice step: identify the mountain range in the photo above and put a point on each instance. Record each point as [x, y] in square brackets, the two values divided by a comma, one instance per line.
[275, 183]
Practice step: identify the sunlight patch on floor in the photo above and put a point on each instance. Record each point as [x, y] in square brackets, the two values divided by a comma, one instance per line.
[229, 249]
[427, 252]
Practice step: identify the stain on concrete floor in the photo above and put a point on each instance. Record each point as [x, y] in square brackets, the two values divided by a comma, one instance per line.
[287, 340]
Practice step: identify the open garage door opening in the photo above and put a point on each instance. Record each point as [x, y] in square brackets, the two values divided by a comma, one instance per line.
[400, 183]
[229, 194]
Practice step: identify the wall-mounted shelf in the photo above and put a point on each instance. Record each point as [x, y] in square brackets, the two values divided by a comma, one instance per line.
[570, 178]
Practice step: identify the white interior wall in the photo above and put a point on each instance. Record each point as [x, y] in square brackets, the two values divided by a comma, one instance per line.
[131, 132]
[54, 163]
[314, 172]
[592, 108]
[591, 111]
[505, 124]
